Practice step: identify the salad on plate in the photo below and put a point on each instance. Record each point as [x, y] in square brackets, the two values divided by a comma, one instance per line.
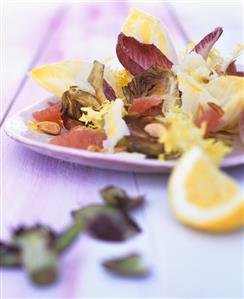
[156, 104]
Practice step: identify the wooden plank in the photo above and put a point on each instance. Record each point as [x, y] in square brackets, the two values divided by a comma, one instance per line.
[56, 188]
[36, 187]
[191, 262]
[23, 44]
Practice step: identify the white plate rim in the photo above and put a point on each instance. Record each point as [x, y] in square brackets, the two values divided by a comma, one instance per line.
[157, 165]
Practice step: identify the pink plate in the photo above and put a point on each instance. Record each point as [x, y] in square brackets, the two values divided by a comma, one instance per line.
[17, 129]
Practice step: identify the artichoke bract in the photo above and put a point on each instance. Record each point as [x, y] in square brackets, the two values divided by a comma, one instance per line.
[130, 265]
[118, 198]
[155, 81]
[75, 98]
[38, 253]
[105, 223]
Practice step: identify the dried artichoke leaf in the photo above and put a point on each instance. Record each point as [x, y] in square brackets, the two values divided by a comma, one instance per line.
[65, 239]
[136, 123]
[96, 80]
[74, 99]
[118, 198]
[38, 241]
[147, 146]
[154, 81]
[9, 255]
[106, 223]
[130, 265]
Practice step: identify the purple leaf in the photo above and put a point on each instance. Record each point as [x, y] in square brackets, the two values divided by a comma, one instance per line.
[137, 57]
[106, 223]
[205, 45]
[108, 91]
[234, 70]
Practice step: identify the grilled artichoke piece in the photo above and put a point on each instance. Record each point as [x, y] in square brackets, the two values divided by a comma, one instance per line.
[154, 81]
[96, 80]
[75, 98]
[38, 253]
[147, 146]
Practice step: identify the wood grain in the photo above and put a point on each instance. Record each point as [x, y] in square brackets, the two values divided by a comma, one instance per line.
[184, 263]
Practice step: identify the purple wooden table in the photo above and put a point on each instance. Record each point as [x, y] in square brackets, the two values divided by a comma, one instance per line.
[34, 188]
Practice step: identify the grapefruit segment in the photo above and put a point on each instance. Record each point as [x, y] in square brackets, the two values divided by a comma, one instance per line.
[141, 105]
[80, 139]
[51, 113]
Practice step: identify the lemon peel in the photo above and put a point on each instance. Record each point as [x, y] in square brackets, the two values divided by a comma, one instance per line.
[203, 197]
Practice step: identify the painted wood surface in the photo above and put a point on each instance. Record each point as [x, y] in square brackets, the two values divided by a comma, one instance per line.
[34, 188]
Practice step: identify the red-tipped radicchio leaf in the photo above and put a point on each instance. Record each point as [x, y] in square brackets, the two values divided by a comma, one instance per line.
[205, 45]
[235, 70]
[108, 91]
[137, 57]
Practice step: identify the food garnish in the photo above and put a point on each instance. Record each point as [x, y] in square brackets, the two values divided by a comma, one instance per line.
[130, 265]
[9, 255]
[204, 197]
[48, 127]
[117, 197]
[106, 223]
[149, 30]
[137, 57]
[37, 249]
[181, 135]
[81, 138]
[155, 81]
[51, 113]
[206, 44]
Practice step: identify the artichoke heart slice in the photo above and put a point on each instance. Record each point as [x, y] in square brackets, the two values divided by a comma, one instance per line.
[96, 80]
[74, 99]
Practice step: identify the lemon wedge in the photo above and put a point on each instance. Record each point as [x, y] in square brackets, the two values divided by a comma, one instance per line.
[203, 197]
[149, 30]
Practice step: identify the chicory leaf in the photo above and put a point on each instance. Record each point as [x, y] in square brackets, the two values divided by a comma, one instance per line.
[108, 91]
[206, 44]
[137, 57]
